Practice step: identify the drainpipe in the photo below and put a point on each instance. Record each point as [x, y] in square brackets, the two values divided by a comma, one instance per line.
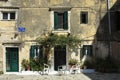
[109, 26]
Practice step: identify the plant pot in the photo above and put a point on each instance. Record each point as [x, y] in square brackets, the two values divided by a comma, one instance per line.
[28, 68]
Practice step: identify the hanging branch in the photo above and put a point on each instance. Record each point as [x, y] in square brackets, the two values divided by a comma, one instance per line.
[61, 40]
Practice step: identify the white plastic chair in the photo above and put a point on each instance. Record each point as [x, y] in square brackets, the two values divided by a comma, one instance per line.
[75, 69]
[62, 69]
[46, 69]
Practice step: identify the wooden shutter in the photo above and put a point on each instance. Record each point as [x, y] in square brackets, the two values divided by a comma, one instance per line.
[55, 20]
[32, 49]
[65, 21]
[90, 50]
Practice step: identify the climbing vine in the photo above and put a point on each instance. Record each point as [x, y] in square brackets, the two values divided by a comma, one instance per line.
[61, 40]
[53, 40]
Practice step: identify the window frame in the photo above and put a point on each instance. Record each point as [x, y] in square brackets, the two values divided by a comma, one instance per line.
[57, 20]
[89, 49]
[8, 15]
[34, 53]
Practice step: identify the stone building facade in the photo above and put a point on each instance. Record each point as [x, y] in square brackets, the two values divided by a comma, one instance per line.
[22, 21]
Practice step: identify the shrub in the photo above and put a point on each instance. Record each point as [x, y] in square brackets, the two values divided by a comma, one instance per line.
[1, 72]
[36, 64]
[72, 62]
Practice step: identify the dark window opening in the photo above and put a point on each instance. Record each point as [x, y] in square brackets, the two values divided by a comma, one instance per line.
[12, 15]
[84, 17]
[5, 15]
[60, 21]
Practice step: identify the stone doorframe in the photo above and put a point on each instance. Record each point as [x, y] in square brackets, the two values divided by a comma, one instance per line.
[4, 45]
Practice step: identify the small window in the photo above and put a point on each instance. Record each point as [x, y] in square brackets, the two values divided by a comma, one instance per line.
[84, 17]
[8, 15]
[87, 50]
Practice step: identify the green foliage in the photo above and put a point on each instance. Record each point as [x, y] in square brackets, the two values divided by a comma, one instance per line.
[72, 62]
[1, 72]
[36, 64]
[53, 40]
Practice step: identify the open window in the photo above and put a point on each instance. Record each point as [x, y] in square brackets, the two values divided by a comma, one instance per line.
[61, 20]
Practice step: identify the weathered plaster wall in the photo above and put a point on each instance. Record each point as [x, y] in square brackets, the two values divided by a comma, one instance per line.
[35, 15]
[1, 58]
[35, 20]
[83, 30]
[10, 3]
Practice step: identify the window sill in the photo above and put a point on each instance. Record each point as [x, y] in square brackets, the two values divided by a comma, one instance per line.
[83, 23]
[8, 20]
[60, 31]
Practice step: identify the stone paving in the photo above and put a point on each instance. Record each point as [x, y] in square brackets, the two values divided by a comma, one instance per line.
[92, 76]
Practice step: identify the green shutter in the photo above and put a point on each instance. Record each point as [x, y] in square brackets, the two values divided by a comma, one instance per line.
[32, 49]
[55, 20]
[65, 24]
[41, 52]
[90, 50]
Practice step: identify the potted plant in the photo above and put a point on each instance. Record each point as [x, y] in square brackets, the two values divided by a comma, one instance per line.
[73, 62]
[25, 64]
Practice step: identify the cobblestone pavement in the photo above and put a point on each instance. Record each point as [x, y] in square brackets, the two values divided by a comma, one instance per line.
[93, 76]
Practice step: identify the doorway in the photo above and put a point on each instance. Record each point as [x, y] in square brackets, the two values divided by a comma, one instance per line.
[12, 59]
[59, 56]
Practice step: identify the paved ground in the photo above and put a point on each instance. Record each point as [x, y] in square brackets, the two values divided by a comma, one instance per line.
[93, 76]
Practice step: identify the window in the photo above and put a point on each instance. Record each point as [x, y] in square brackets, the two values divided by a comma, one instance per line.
[61, 20]
[36, 51]
[87, 50]
[8, 15]
[84, 17]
